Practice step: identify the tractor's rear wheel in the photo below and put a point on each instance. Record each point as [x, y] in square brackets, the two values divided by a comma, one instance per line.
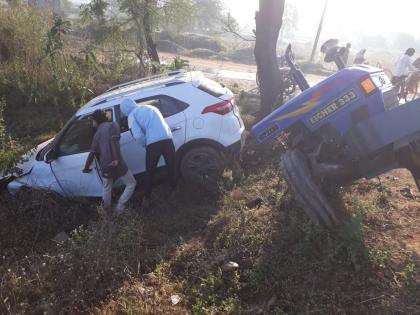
[307, 193]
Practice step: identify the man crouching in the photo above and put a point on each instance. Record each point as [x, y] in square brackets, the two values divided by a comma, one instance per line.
[106, 147]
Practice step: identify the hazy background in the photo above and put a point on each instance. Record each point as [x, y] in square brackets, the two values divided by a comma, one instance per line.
[344, 18]
[385, 28]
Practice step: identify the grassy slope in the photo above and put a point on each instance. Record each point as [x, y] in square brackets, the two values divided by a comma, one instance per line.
[135, 263]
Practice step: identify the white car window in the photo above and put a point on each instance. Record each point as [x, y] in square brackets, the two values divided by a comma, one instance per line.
[167, 105]
[78, 137]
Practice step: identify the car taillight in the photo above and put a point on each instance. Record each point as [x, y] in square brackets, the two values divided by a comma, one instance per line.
[221, 108]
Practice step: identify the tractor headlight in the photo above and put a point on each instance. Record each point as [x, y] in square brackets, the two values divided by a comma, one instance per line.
[368, 86]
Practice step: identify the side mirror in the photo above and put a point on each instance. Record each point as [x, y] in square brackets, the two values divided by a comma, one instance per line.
[50, 156]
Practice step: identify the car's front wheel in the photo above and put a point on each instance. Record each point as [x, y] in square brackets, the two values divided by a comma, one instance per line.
[202, 165]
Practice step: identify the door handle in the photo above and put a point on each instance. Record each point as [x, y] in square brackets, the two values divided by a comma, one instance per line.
[176, 128]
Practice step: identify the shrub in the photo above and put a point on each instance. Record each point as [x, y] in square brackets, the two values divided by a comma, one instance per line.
[169, 46]
[9, 150]
[202, 53]
[245, 55]
[43, 79]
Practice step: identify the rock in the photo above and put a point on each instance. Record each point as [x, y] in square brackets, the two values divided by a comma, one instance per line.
[61, 237]
[254, 203]
[175, 299]
[407, 192]
[231, 265]
[271, 302]
[255, 310]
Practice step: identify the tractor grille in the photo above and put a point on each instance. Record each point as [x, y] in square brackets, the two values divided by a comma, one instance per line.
[390, 99]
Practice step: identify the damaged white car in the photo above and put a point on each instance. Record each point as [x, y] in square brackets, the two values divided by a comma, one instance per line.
[201, 113]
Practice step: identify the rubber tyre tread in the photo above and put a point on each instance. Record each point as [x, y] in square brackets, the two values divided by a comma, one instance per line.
[307, 193]
[206, 150]
[298, 186]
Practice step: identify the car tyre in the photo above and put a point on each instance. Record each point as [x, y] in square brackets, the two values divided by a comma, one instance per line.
[202, 165]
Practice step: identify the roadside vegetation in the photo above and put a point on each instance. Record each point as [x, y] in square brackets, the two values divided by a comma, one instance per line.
[243, 248]
[139, 263]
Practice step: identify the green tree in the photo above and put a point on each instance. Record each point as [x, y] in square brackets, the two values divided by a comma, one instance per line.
[94, 10]
[209, 14]
[179, 15]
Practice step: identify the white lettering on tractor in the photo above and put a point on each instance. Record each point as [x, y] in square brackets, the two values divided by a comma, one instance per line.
[333, 107]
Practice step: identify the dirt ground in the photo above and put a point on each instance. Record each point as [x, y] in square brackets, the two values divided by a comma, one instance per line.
[214, 64]
[172, 259]
[211, 63]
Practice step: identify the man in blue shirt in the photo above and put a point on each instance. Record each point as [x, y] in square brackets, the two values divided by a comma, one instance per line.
[150, 128]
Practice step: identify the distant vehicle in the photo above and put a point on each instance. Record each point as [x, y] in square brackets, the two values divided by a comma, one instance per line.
[202, 114]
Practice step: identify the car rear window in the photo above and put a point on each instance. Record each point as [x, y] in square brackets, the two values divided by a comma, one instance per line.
[212, 87]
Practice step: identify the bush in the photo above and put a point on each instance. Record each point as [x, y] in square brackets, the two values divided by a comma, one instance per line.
[243, 55]
[202, 53]
[194, 41]
[38, 81]
[10, 151]
[169, 46]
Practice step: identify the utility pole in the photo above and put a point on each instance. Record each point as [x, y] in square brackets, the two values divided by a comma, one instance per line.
[319, 32]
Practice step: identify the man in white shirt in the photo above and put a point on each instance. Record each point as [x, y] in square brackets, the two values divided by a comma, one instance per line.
[401, 70]
[403, 66]
[150, 128]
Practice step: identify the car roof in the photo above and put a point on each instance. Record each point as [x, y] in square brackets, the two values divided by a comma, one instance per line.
[145, 84]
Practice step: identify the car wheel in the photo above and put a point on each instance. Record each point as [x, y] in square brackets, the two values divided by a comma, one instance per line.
[307, 193]
[202, 165]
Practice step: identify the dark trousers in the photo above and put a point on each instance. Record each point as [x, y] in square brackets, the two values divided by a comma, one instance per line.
[153, 153]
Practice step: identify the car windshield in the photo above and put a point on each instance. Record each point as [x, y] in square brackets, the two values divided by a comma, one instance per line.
[41, 154]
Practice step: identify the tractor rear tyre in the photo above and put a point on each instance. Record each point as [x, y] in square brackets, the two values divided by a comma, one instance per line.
[307, 193]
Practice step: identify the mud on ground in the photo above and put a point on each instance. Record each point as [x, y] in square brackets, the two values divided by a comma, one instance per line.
[139, 262]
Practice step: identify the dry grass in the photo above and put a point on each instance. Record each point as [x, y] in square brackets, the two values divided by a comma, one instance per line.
[135, 263]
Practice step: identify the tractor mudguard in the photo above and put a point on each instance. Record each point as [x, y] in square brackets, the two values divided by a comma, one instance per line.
[397, 127]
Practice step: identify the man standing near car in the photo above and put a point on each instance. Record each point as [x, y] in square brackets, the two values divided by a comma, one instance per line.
[106, 147]
[150, 128]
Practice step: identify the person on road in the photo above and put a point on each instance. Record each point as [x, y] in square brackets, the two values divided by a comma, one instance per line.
[346, 53]
[403, 66]
[106, 147]
[401, 69]
[150, 128]
[360, 57]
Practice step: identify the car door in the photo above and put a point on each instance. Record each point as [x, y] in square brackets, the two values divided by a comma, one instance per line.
[173, 112]
[134, 154]
[72, 150]
[132, 151]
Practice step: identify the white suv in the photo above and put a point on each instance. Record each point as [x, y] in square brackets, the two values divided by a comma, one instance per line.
[201, 113]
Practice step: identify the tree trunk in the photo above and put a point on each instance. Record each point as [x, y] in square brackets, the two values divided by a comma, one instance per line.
[268, 21]
[148, 31]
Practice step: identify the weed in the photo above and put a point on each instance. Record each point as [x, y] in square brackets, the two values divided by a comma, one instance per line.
[10, 150]
[380, 257]
[408, 270]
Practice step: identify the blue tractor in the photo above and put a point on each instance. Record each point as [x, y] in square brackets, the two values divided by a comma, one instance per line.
[347, 127]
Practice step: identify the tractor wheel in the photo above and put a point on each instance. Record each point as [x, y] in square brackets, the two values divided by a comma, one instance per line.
[307, 193]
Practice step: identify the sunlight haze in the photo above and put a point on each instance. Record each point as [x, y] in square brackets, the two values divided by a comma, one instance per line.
[344, 18]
